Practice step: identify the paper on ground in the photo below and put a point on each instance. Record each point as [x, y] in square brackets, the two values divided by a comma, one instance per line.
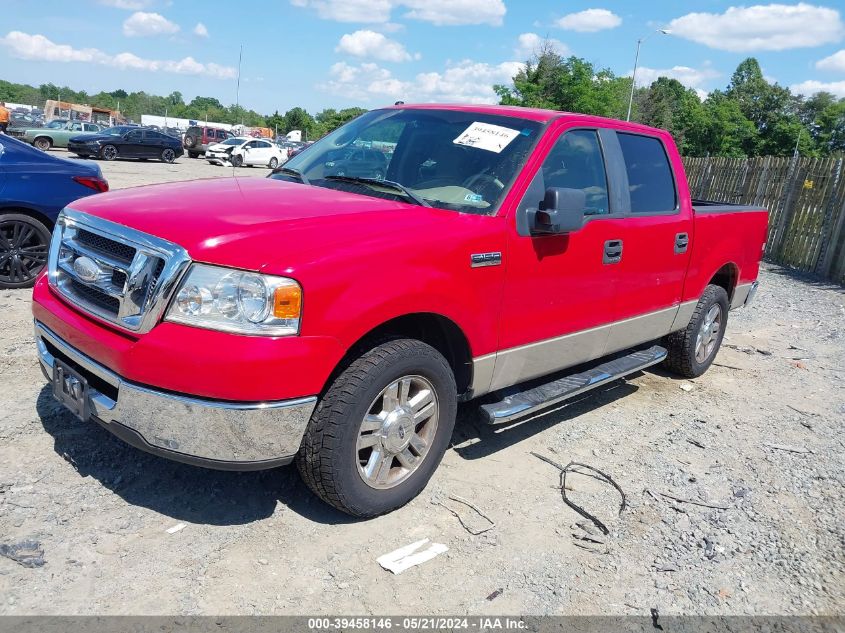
[493, 138]
[176, 528]
[403, 558]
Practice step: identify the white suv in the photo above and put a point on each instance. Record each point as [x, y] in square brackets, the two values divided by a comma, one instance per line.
[244, 150]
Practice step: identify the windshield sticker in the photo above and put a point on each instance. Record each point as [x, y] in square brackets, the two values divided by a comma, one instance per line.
[493, 138]
[473, 197]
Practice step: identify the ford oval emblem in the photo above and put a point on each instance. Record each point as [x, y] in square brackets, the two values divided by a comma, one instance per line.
[86, 269]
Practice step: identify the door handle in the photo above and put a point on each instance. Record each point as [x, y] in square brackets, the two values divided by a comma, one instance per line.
[612, 252]
[681, 243]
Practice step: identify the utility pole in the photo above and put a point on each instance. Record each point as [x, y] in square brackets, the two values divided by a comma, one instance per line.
[636, 63]
[238, 87]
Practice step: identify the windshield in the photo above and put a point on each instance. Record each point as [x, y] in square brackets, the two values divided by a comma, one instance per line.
[463, 161]
[233, 141]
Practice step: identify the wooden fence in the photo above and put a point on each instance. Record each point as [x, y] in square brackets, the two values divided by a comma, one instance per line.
[805, 198]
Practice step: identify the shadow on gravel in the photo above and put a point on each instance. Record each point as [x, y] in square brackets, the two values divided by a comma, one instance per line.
[183, 492]
[804, 277]
[492, 438]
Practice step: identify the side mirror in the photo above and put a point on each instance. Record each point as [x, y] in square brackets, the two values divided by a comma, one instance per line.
[562, 211]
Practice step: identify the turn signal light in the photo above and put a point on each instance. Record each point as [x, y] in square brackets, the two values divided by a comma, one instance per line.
[287, 302]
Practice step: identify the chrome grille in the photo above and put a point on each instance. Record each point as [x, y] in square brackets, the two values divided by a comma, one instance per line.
[112, 271]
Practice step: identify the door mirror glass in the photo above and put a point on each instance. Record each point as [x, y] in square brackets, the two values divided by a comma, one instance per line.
[561, 211]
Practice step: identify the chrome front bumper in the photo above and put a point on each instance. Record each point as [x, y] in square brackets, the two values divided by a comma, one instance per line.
[214, 434]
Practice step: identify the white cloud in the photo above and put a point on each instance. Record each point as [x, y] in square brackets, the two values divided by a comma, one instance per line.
[200, 30]
[39, 48]
[769, 27]
[142, 24]
[372, 45]
[466, 81]
[439, 12]
[589, 21]
[529, 44]
[449, 12]
[130, 5]
[835, 62]
[689, 77]
[811, 87]
[26, 46]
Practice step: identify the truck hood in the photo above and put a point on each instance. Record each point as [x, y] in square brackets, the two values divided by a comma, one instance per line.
[258, 223]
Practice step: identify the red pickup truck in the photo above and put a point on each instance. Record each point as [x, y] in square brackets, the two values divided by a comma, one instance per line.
[337, 319]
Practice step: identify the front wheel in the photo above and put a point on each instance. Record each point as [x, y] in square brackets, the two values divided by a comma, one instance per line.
[693, 349]
[109, 152]
[237, 161]
[380, 431]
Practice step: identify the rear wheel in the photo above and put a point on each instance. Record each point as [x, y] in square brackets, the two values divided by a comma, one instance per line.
[24, 242]
[274, 162]
[168, 155]
[193, 155]
[380, 431]
[43, 143]
[693, 349]
[109, 152]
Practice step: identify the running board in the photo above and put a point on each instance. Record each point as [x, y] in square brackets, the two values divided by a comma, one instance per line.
[525, 403]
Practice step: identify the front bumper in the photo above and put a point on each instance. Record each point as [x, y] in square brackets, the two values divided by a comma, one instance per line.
[211, 433]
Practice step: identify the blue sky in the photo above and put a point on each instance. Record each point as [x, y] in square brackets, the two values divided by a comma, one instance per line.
[338, 53]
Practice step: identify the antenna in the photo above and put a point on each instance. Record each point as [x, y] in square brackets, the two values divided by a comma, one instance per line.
[238, 89]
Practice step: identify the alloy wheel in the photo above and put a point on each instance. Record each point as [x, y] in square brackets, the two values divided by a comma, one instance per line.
[708, 333]
[168, 155]
[397, 432]
[23, 252]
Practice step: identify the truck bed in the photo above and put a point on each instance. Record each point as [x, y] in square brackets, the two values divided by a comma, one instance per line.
[710, 206]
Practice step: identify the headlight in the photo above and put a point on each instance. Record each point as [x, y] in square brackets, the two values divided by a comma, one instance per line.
[236, 301]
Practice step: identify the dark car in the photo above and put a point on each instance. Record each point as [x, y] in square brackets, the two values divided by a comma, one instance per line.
[198, 138]
[357, 161]
[34, 187]
[124, 141]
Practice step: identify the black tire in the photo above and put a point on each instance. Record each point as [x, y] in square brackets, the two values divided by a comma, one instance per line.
[193, 155]
[237, 161]
[682, 344]
[328, 457]
[108, 152]
[43, 143]
[23, 250]
[274, 162]
[168, 155]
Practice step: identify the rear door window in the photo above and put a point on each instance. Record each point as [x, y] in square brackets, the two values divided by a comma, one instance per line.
[651, 184]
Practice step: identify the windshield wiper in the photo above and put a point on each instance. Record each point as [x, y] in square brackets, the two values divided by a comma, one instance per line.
[290, 171]
[389, 184]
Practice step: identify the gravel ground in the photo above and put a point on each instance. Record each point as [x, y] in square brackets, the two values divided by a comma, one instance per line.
[759, 436]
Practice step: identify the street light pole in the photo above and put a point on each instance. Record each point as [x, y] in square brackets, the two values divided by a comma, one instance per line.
[636, 63]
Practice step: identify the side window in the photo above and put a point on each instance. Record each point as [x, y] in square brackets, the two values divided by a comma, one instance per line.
[134, 136]
[263, 144]
[576, 162]
[650, 181]
[76, 127]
